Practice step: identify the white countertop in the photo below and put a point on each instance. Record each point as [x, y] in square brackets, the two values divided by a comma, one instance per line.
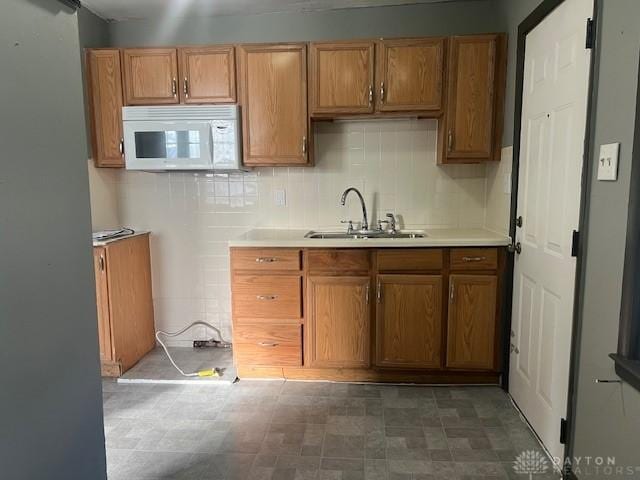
[268, 237]
[102, 243]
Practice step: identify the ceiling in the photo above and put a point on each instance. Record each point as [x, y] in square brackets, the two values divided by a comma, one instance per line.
[136, 9]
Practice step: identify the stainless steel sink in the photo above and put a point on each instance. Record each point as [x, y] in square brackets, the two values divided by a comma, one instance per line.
[344, 235]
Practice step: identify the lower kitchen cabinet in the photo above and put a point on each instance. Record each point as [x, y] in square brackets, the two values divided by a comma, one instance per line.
[367, 314]
[409, 321]
[124, 303]
[472, 321]
[338, 321]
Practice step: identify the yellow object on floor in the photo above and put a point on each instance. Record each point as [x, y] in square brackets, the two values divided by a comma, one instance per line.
[208, 373]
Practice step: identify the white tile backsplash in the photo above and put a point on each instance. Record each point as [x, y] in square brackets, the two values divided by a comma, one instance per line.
[193, 215]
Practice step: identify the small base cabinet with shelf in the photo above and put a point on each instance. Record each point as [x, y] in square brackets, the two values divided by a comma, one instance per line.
[124, 301]
[424, 315]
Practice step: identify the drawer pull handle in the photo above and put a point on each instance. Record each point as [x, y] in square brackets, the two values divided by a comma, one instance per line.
[266, 259]
[473, 259]
[268, 344]
[266, 297]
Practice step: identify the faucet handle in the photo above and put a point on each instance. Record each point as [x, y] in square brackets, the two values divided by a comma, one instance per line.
[391, 222]
[349, 225]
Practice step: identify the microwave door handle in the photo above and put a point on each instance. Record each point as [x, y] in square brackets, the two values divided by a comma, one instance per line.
[211, 149]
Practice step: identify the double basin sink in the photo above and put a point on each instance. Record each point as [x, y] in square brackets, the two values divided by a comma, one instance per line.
[364, 235]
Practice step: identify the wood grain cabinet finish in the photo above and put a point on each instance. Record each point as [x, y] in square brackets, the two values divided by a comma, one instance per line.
[474, 104]
[150, 76]
[410, 74]
[472, 321]
[207, 74]
[268, 345]
[124, 303]
[104, 79]
[338, 321]
[409, 321]
[274, 101]
[341, 77]
[267, 296]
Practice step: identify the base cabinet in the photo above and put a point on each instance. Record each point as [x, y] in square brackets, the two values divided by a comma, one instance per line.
[338, 321]
[409, 321]
[472, 321]
[424, 315]
[124, 303]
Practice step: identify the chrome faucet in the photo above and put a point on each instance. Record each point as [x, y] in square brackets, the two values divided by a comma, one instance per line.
[365, 218]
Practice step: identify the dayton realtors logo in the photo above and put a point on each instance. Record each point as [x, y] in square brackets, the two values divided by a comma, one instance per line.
[531, 462]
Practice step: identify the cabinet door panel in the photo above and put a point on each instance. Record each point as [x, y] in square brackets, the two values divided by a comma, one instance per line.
[102, 302]
[342, 77]
[208, 74]
[472, 321]
[104, 78]
[470, 109]
[409, 321]
[150, 76]
[410, 74]
[338, 318]
[274, 100]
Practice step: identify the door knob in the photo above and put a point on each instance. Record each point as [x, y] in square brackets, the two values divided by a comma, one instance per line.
[519, 221]
[515, 248]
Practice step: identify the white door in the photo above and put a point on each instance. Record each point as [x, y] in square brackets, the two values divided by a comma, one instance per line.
[554, 110]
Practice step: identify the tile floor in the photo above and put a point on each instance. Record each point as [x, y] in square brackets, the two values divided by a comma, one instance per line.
[276, 430]
[156, 366]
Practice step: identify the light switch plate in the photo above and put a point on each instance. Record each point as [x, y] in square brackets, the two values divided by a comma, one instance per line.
[280, 197]
[608, 162]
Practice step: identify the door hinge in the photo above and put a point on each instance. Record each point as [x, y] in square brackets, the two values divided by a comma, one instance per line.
[590, 38]
[563, 431]
[575, 243]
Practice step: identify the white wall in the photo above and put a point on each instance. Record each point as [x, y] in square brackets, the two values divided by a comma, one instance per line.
[193, 215]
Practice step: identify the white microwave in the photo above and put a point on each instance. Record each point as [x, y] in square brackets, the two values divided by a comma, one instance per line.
[184, 137]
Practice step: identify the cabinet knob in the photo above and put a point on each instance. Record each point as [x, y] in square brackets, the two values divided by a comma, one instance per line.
[267, 344]
[266, 259]
[121, 147]
[473, 259]
[381, 92]
[450, 140]
[174, 87]
[304, 145]
[370, 94]
[185, 87]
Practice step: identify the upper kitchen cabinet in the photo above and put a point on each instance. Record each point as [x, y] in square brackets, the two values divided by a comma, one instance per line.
[150, 76]
[207, 74]
[474, 113]
[104, 93]
[410, 74]
[341, 77]
[273, 81]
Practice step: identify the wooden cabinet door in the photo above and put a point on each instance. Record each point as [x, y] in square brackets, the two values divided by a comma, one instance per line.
[471, 333]
[338, 319]
[409, 321]
[104, 79]
[470, 104]
[150, 76]
[341, 77]
[274, 102]
[410, 74]
[207, 74]
[102, 302]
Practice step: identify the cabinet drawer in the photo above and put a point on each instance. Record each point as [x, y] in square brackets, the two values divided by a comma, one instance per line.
[267, 355]
[267, 296]
[336, 260]
[267, 335]
[265, 259]
[474, 259]
[409, 259]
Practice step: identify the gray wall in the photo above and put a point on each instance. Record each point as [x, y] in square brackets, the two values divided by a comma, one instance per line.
[608, 415]
[93, 32]
[478, 16]
[513, 12]
[50, 392]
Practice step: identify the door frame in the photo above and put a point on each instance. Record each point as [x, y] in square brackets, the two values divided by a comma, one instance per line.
[525, 27]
